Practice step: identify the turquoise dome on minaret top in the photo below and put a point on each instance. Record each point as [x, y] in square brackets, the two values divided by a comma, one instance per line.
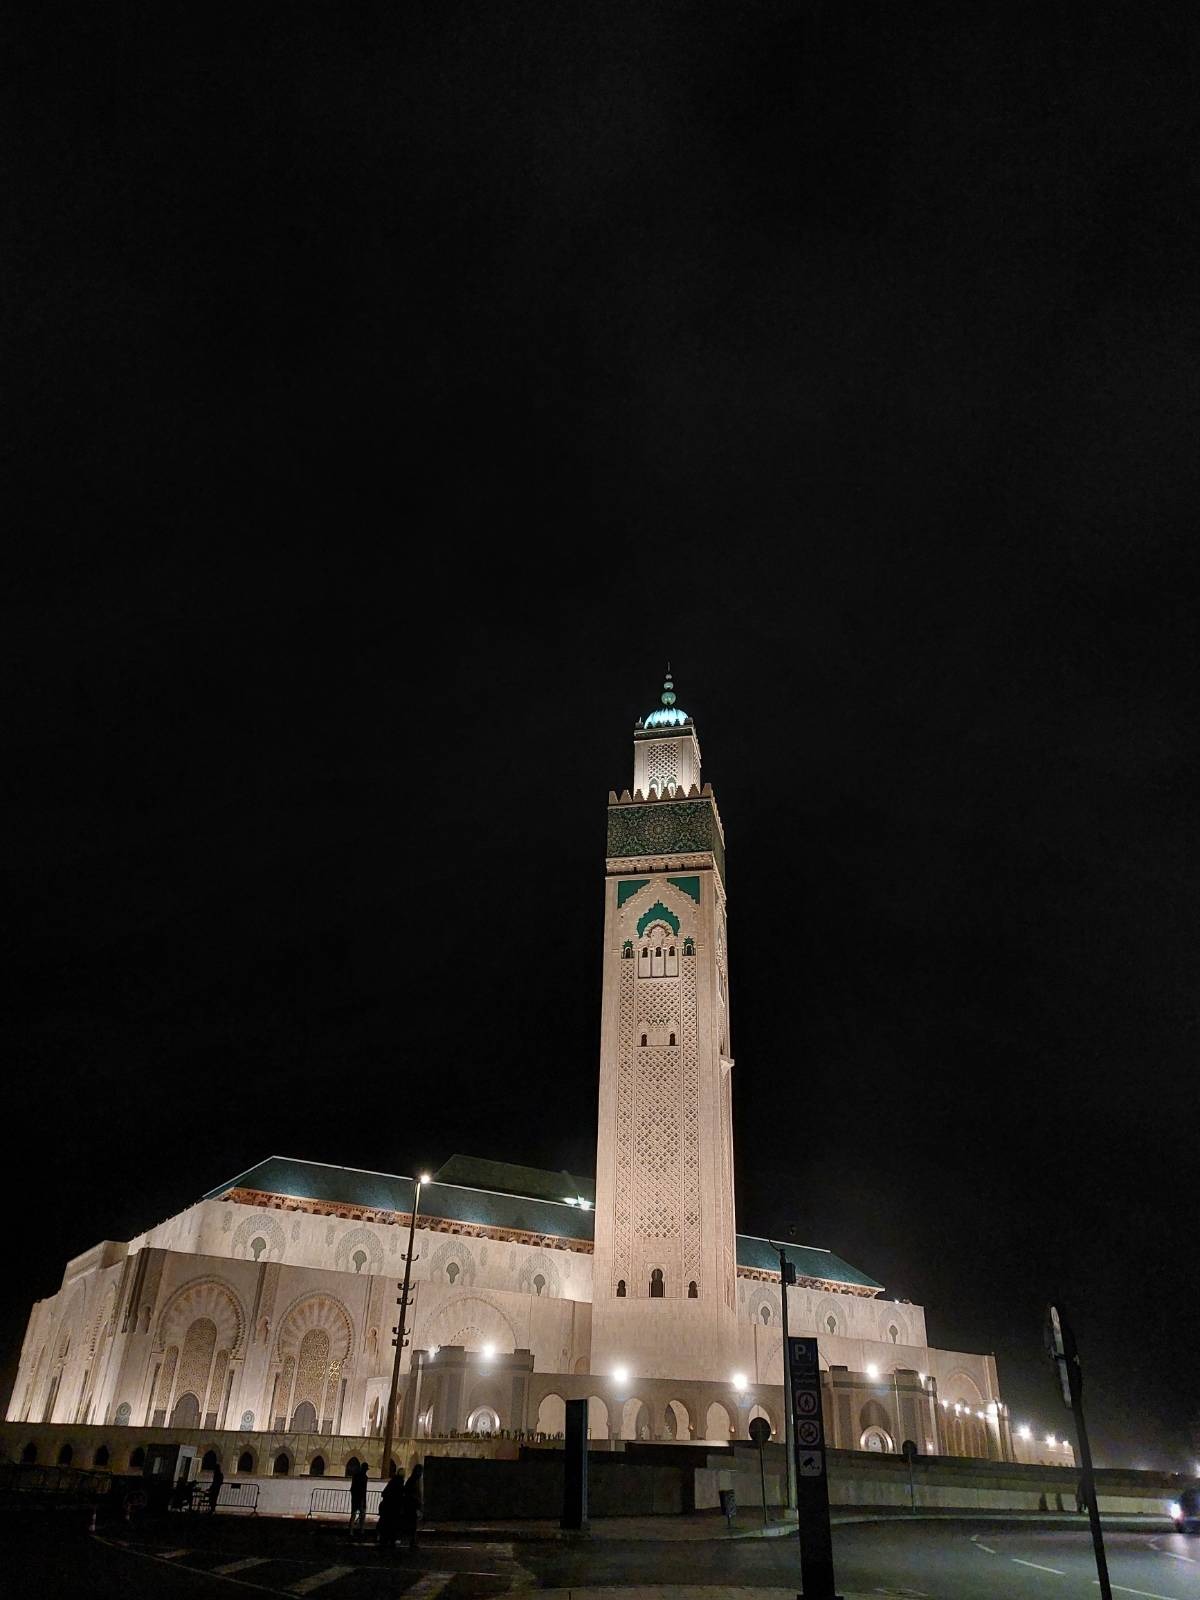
[668, 715]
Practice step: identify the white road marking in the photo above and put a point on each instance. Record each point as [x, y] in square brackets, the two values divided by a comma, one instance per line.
[171, 1555]
[240, 1566]
[1037, 1566]
[1121, 1588]
[319, 1579]
[426, 1587]
[979, 1544]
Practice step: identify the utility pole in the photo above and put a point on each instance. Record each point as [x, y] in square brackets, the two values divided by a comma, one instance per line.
[787, 1275]
[401, 1338]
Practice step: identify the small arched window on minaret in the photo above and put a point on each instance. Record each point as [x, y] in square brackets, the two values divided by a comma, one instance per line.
[689, 947]
[620, 1288]
[656, 1284]
[627, 950]
[671, 1038]
[642, 1040]
[672, 962]
[693, 1292]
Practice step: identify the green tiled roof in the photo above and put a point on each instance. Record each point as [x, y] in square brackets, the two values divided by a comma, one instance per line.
[506, 1178]
[497, 1194]
[352, 1186]
[809, 1260]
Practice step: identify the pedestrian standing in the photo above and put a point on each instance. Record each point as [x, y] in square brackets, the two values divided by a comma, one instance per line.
[218, 1478]
[358, 1499]
[412, 1506]
[389, 1510]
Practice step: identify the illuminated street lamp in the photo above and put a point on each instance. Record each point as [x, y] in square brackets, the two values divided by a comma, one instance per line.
[401, 1338]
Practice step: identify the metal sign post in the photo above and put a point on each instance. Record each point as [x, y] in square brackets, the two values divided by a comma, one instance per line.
[760, 1432]
[1063, 1351]
[812, 1484]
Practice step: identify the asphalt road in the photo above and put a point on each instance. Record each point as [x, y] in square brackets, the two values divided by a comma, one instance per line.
[936, 1560]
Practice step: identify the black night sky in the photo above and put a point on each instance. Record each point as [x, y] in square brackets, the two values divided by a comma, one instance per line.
[392, 392]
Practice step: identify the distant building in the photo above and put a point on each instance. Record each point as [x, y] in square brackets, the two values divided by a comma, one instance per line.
[265, 1310]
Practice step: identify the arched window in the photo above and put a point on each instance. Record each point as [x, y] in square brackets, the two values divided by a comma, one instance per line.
[642, 1039]
[65, 1456]
[671, 1039]
[539, 1283]
[359, 1259]
[316, 1467]
[620, 1291]
[656, 1284]
[137, 1460]
[693, 1291]
[282, 1465]
[246, 1461]
[100, 1459]
[893, 1333]
[29, 1454]
[209, 1462]
[257, 1246]
[831, 1324]
[764, 1316]
[452, 1270]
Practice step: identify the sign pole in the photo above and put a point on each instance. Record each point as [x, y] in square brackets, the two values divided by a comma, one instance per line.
[760, 1432]
[1064, 1352]
[787, 1275]
[812, 1483]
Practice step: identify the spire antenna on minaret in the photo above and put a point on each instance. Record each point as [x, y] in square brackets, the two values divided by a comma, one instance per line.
[668, 694]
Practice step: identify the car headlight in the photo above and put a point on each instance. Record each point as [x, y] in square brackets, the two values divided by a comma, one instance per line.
[1174, 1510]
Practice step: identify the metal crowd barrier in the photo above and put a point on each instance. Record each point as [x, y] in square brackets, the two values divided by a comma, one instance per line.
[238, 1497]
[336, 1502]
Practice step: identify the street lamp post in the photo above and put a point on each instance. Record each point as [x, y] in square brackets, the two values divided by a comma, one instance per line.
[401, 1338]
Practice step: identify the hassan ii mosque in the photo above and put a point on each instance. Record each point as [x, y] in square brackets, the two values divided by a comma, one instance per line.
[257, 1323]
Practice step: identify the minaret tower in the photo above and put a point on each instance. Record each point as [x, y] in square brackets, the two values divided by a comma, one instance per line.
[664, 1272]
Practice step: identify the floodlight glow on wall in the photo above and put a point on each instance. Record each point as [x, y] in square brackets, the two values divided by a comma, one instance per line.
[621, 1374]
[489, 1350]
[739, 1381]
[872, 1370]
[1024, 1432]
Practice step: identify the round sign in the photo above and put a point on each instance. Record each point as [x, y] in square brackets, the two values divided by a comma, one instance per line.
[760, 1430]
[808, 1433]
[806, 1403]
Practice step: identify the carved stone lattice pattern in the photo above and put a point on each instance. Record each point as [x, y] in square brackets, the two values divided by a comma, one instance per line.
[197, 1357]
[311, 1369]
[658, 1000]
[660, 762]
[216, 1388]
[727, 1186]
[283, 1391]
[623, 1130]
[251, 1228]
[454, 1252]
[351, 1242]
[204, 1297]
[166, 1378]
[541, 1265]
[657, 1149]
[691, 1126]
[319, 1311]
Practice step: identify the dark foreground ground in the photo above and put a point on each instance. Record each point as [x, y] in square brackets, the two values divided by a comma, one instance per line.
[47, 1557]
